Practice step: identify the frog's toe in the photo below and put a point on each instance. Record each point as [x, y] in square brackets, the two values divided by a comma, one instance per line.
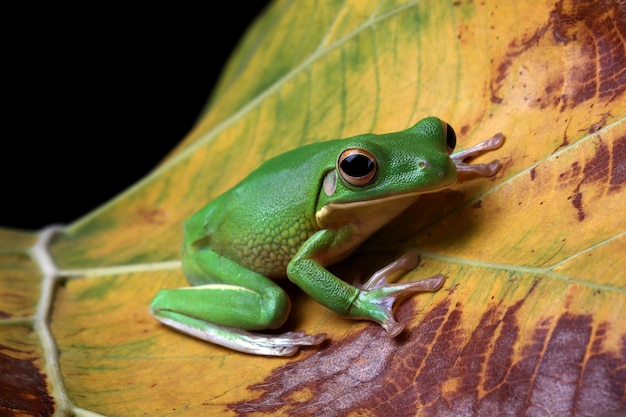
[394, 291]
[404, 263]
[392, 327]
[299, 339]
[485, 170]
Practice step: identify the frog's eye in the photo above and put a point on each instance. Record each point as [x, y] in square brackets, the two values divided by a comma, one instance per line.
[357, 167]
[450, 137]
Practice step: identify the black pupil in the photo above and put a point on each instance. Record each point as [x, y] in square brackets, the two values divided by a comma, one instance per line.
[357, 165]
[450, 137]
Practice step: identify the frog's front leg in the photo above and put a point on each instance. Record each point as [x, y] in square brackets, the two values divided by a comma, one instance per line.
[229, 301]
[372, 301]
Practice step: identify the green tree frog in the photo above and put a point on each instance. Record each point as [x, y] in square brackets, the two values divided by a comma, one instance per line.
[295, 215]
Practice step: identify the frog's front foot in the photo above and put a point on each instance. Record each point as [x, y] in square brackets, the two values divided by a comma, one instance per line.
[377, 297]
[486, 170]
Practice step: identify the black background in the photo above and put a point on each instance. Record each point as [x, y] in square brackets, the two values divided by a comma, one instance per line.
[93, 100]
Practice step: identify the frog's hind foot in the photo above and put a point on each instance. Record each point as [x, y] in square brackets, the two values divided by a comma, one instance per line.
[285, 344]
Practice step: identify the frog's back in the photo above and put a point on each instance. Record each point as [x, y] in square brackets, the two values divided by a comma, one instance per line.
[263, 221]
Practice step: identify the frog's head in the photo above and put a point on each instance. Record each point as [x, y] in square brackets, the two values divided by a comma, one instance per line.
[379, 174]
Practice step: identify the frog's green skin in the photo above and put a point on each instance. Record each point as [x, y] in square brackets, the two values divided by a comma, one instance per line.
[297, 214]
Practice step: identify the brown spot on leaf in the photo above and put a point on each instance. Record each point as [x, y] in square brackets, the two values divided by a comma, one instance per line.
[23, 388]
[500, 361]
[600, 28]
[571, 176]
[494, 86]
[577, 202]
[565, 140]
[593, 128]
[607, 167]
[618, 164]
[340, 384]
[597, 168]
[561, 364]
[153, 216]
[603, 372]
[441, 371]
[596, 32]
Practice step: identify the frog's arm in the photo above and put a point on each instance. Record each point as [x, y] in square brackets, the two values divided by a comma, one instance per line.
[374, 301]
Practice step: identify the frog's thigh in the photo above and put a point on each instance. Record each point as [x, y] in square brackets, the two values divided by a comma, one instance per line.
[230, 296]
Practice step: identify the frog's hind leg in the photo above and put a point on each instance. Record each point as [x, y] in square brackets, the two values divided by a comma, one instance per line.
[230, 301]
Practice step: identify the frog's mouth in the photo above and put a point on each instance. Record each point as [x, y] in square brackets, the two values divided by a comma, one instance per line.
[372, 213]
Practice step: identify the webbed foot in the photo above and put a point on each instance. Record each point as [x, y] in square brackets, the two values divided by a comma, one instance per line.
[377, 297]
[285, 344]
[485, 170]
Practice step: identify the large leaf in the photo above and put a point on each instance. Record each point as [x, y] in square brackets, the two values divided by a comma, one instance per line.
[531, 318]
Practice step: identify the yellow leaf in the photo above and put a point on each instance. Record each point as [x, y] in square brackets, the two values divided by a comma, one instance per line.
[531, 318]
